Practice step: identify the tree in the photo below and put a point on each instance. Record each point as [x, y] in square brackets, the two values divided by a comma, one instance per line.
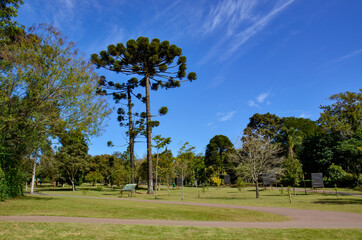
[258, 156]
[217, 152]
[344, 119]
[335, 173]
[292, 172]
[46, 86]
[133, 121]
[160, 143]
[153, 61]
[266, 125]
[73, 156]
[182, 164]
[345, 115]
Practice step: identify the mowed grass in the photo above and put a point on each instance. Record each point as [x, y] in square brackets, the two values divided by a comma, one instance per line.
[227, 195]
[27, 230]
[108, 208]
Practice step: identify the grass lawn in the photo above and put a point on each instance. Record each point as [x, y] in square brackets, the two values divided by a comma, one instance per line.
[22, 230]
[270, 198]
[81, 207]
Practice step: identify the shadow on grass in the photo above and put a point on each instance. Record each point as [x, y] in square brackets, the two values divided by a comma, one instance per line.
[36, 198]
[339, 201]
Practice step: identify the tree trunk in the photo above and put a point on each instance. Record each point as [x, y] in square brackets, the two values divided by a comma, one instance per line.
[257, 189]
[156, 177]
[33, 174]
[149, 131]
[73, 186]
[131, 135]
[182, 183]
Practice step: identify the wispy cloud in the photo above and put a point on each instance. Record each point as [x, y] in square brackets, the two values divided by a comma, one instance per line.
[225, 116]
[348, 56]
[240, 20]
[260, 99]
[305, 115]
[252, 103]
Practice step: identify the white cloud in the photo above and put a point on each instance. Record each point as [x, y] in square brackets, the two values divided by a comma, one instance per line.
[225, 116]
[305, 115]
[241, 20]
[252, 103]
[348, 56]
[261, 98]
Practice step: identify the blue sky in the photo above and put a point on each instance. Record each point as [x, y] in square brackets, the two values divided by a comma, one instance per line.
[284, 57]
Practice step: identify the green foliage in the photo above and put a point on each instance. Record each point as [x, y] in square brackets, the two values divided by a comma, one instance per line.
[73, 156]
[344, 116]
[292, 172]
[240, 184]
[94, 177]
[3, 186]
[335, 173]
[151, 60]
[217, 155]
[265, 125]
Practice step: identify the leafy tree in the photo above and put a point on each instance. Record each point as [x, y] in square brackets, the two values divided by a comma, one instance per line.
[292, 172]
[94, 177]
[182, 164]
[335, 173]
[73, 156]
[258, 156]
[160, 143]
[153, 61]
[46, 86]
[217, 152]
[266, 125]
[344, 119]
[345, 115]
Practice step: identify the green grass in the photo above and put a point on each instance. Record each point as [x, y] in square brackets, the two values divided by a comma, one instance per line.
[100, 208]
[269, 198]
[27, 230]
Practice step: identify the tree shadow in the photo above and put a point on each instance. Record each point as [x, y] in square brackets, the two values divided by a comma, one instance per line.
[36, 198]
[339, 201]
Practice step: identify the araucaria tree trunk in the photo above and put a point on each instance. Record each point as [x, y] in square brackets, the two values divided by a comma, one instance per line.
[149, 131]
[131, 135]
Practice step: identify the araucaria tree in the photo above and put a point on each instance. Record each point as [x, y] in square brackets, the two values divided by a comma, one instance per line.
[133, 121]
[258, 156]
[160, 65]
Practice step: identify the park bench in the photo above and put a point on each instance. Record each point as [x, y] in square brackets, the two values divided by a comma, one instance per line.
[128, 188]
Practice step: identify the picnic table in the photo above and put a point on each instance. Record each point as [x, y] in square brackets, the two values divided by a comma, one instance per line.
[128, 188]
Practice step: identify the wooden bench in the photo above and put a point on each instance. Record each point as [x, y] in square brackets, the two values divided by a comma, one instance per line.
[128, 188]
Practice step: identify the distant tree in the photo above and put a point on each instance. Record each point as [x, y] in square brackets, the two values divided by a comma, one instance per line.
[266, 125]
[345, 115]
[258, 156]
[217, 153]
[73, 156]
[160, 143]
[94, 177]
[344, 119]
[292, 172]
[153, 61]
[335, 173]
[182, 164]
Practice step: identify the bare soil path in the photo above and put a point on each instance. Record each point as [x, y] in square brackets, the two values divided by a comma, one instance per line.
[299, 218]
